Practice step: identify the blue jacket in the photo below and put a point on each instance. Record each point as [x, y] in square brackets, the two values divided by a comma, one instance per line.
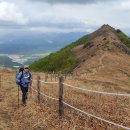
[25, 78]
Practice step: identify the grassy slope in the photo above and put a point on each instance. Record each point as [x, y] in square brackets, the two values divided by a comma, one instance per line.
[62, 60]
[45, 115]
[124, 38]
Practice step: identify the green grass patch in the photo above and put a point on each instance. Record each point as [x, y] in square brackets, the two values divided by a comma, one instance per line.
[124, 38]
[60, 61]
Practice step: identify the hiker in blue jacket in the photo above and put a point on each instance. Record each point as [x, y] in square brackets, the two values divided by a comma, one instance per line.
[24, 78]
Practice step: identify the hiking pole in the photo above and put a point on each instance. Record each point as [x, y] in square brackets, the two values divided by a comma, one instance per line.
[30, 86]
[18, 96]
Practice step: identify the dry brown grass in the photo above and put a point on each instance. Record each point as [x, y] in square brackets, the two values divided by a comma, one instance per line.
[103, 67]
[44, 116]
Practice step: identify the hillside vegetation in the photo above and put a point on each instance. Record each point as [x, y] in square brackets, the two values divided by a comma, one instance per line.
[124, 38]
[61, 61]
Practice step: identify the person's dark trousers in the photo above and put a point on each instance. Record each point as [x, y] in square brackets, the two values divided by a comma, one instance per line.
[24, 93]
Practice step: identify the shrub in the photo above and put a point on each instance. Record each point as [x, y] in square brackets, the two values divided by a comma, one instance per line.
[60, 61]
[124, 38]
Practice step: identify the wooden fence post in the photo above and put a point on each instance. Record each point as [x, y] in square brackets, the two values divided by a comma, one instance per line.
[31, 80]
[61, 94]
[72, 75]
[51, 76]
[65, 75]
[46, 76]
[0, 82]
[55, 76]
[38, 89]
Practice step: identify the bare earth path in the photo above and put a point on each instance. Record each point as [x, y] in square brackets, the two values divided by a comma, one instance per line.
[100, 65]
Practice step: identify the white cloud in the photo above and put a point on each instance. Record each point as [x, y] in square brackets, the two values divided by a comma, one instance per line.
[67, 17]
[83, 16]
[125, 5]
[71, 1]
[9, 12]
[59, 30]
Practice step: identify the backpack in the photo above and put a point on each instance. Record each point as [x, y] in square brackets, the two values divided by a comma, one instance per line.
[17, 80]
[25, 80]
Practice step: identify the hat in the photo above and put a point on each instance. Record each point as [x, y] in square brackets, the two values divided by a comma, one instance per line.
[26, 67]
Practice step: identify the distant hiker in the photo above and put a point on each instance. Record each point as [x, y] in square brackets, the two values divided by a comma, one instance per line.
[23, 79]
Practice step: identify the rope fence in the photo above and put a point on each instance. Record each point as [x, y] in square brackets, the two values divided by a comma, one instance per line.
[96, 117]
[46, 95]
[62, 102]
[98, 92]
[46, 82]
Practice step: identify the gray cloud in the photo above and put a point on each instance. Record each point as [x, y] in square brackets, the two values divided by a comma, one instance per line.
[10, 25]
[65, 15]
[71, 1]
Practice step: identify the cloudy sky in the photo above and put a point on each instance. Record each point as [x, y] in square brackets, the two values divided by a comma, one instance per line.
[63, 15]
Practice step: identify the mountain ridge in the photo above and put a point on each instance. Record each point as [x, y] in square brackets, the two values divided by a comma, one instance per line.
[105, 39]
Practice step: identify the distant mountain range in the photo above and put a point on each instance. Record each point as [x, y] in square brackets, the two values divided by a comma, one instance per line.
[5, 61]
[26, 47]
